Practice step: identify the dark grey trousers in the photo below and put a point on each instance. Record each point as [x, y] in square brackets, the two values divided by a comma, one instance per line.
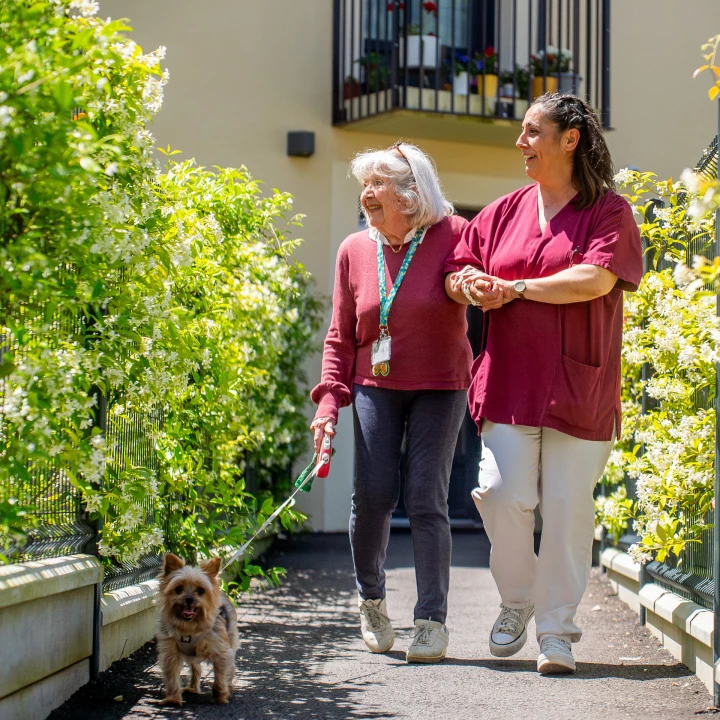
[430, 420]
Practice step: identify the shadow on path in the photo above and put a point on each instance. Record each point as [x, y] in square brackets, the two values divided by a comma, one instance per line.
[301, 656]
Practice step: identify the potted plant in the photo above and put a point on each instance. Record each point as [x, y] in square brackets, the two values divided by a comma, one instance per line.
[519, 79]
[486, 66]
[351, 88]
[555, 62]
[428, 42]
[377, 72]
[461, 79]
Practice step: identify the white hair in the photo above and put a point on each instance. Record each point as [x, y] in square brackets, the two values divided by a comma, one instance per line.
[415, 180]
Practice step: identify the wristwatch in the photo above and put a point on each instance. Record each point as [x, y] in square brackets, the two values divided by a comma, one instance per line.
[519, 288]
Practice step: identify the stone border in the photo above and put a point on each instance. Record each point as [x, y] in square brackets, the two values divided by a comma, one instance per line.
[41, 578]
[683, 627]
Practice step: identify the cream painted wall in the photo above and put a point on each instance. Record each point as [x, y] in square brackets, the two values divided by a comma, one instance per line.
[662, 117]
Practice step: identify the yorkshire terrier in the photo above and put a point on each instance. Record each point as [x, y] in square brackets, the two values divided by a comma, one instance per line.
[197, 623]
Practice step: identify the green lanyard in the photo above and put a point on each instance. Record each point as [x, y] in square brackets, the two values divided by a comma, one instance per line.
[386, 300]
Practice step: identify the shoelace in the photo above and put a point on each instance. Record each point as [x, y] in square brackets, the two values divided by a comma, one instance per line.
[554, 643]
[423, 635]
[376, 619]
[510, 620]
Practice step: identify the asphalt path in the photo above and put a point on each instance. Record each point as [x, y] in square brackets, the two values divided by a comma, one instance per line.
[301, 655]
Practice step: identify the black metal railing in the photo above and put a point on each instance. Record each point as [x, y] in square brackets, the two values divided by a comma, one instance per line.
[481, 58]
[59, 522]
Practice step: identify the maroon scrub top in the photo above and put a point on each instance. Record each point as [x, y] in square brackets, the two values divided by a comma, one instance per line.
[545, 365]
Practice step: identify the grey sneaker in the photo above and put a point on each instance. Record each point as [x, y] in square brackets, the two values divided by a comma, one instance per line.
[509, 632]
[429, 643]
[555, 656]
[377, 632]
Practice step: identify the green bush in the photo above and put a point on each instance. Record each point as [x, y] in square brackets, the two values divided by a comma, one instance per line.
[670, 327]
[171, 294]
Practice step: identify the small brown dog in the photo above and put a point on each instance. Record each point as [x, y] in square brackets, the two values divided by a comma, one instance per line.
[197, 623]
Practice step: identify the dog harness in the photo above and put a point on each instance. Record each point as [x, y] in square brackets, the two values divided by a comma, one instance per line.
[187, 644]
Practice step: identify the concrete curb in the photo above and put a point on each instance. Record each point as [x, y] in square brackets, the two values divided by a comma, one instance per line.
[42, 578]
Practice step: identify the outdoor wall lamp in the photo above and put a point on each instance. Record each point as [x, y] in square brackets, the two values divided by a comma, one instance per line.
[300, 143]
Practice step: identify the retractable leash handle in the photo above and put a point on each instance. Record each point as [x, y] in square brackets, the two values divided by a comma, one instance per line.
[325, 456]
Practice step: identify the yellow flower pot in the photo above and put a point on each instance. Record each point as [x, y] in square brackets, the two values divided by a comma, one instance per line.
[541, 85]
[490, 87]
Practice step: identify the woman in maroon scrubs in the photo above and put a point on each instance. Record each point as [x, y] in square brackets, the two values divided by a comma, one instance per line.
[548, 265]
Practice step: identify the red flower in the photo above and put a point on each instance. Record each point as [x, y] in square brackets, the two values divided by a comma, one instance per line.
[551, 57]
[430, 7]
[391, 6]
[489, 51]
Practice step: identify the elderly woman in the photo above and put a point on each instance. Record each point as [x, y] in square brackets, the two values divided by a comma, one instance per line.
[548, 263]
[397, 350]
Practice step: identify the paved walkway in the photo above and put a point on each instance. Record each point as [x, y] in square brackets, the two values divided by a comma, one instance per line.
[301, 655]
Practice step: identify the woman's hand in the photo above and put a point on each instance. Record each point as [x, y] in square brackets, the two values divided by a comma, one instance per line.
[474, 286]
[321, 426]
[507, 290]
[470, 274]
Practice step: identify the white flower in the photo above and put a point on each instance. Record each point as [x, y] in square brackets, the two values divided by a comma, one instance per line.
[690, 179]
[624, 176]
[87, 8]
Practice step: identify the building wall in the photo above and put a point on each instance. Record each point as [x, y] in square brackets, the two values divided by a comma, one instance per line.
[662, 117]
[243, 74]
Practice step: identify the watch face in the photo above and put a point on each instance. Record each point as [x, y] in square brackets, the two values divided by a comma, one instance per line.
[520, 286]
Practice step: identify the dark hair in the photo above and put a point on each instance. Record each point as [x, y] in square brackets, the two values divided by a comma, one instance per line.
[592, 166]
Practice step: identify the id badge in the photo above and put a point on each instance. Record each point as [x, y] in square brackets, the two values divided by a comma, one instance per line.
[381, 351]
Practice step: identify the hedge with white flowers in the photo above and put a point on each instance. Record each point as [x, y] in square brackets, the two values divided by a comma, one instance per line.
[671, 326]
[169, 291]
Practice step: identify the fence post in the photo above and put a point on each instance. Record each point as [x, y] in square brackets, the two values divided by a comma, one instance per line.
[716, 510]
[99, 421]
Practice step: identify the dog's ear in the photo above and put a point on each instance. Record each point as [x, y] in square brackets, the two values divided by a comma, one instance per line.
[211, 567]
[171, 563]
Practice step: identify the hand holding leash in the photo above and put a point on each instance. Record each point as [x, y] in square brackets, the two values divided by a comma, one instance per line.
[321, 427]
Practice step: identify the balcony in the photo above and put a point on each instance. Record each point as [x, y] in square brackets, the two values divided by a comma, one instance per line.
[464, 70]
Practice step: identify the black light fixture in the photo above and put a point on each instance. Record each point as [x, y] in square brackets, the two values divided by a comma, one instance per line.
[300, 143]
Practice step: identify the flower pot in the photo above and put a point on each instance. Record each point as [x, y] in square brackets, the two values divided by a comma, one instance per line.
[570, 83]
[541, 85]
[460, 84]
[491, 85]
[430, 48]
[352, 89]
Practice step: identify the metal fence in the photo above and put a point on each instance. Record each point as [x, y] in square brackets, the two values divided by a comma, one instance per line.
[692, 574]
[60, 524]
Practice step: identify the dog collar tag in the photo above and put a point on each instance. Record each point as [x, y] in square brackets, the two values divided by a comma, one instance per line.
[186, 639]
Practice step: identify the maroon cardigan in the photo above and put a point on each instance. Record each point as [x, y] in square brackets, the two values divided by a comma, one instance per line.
[430, 350]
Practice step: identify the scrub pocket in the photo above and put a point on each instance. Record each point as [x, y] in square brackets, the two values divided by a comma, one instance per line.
[575, 394]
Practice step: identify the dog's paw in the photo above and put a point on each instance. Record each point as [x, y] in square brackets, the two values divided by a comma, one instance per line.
[175, 700]
[221, 698]
[192, 690]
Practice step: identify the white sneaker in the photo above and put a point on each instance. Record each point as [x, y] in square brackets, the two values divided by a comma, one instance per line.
[509, 632]
[377, 632]
[555, 656]
[429, 643]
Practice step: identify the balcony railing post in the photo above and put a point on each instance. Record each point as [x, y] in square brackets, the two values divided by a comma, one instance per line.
[605, 64]
[395, 55]
[716, 510]
[338, 79]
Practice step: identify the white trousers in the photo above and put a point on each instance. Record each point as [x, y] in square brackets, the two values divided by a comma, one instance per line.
[520, 467]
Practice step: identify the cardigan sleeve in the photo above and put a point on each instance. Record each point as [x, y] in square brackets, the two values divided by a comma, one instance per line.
[338, 364]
